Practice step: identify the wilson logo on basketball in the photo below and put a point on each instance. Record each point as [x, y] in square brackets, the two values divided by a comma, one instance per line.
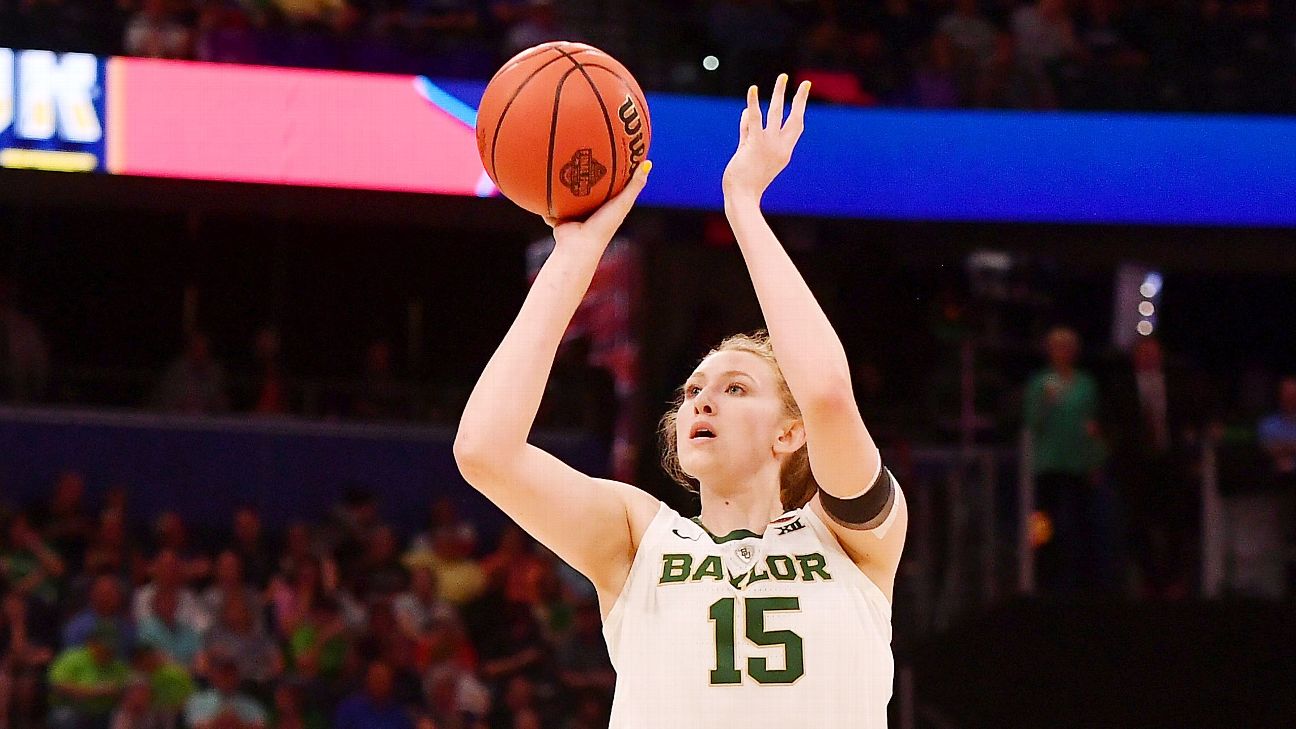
[633, 126]
[581, 172]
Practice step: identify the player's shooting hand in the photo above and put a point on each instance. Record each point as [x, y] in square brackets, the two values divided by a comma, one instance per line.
[596, 231]
[765, 148]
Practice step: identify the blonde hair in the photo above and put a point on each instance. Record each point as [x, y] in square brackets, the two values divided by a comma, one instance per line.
[796, 482]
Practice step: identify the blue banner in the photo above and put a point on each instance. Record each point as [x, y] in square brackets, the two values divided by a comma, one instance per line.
[988, 166]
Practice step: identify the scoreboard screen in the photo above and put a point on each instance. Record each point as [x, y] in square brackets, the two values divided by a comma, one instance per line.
[52, 110]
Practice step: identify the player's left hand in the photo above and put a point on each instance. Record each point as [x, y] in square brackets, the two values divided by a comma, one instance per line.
[765, 147]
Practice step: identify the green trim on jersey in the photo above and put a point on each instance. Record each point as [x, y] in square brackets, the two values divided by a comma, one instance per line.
[731, 536]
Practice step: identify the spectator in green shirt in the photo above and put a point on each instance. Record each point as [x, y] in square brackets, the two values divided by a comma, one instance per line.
[170, 684]
[86, 682]
[1061, 408]
[29, 566]
[318, 647]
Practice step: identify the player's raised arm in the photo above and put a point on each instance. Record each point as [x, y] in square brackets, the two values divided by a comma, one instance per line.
[843, 457]
[585, 521]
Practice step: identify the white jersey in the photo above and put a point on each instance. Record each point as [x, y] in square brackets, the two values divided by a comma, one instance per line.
[745, 630]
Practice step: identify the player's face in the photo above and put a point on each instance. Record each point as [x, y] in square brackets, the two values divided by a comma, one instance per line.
[730, 420]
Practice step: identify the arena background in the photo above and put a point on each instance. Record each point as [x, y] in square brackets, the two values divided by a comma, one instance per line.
[326, 237]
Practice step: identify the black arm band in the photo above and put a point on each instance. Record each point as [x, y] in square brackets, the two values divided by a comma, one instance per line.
[866, 511]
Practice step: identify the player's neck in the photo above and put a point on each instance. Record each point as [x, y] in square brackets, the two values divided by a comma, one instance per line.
[724, 511]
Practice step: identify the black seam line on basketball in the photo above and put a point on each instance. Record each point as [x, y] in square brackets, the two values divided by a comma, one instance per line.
[516, 61]
[553, 138]
[639, 98]
[539, 51]
[550, 46]
[643, 104]
[499, 124]
[612, 145]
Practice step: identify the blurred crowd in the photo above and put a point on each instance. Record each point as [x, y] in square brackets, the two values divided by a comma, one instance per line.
[196, 382]
[1119, 456]
[218, 378]
[1220, 55]
[1022, 54]
[342, 623]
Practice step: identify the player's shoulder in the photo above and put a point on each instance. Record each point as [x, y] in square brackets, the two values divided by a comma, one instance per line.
[791, 516]
[641, 507]
[794, 526]
[684, 527]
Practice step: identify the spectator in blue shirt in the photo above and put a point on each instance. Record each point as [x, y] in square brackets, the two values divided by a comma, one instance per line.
[1277, 434]
[165, 629]
[107, 605]
[373, 707]
[1258, 519]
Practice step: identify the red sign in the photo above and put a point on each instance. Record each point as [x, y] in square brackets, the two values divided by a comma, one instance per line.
[286, 126]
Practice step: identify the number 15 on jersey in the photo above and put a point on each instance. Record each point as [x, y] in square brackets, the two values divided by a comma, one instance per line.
[723, 614]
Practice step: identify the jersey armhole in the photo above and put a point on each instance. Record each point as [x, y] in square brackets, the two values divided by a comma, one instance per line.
[613, 619]
[829, 541]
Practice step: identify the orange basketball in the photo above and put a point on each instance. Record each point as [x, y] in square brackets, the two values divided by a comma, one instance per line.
[561, 127]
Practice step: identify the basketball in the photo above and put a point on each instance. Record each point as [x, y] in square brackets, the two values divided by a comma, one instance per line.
[561, 128]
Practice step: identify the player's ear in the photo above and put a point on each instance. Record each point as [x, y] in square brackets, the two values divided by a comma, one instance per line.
[791, 437]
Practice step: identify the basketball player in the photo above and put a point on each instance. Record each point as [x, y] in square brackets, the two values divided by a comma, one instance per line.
[774, 605]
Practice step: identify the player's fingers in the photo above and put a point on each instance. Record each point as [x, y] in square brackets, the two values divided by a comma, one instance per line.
[742, 127]
[776, 103]
[608, 218]
[796, 119]
[551, 222]
[753, 109]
